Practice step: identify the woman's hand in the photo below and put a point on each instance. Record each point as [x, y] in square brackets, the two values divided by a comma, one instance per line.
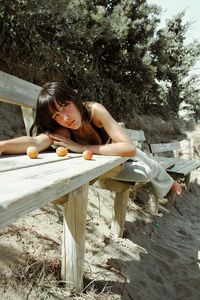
[66, 142]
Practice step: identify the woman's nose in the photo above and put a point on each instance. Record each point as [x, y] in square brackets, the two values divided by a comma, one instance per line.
[64, 116]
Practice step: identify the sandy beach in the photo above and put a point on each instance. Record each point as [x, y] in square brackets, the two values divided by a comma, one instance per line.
[158, 258]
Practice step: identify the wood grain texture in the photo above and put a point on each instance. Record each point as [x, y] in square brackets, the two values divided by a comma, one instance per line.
[119, 212]
[73, 246]
[18, 91]
[164, 147]
[29, 184]
[135, 135]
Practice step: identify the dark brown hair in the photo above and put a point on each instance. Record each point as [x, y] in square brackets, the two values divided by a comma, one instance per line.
[62, 94]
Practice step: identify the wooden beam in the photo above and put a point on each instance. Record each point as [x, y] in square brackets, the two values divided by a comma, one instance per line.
[121, 190]
[28, 116]
[112, 185]
[184, 167]
[164, 147]
[74, 224]
[18, 91]
[135, 135]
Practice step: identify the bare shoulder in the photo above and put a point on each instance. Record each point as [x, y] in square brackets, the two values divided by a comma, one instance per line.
[98, 110]
[92, 106]
[97, 106]
[103, 118]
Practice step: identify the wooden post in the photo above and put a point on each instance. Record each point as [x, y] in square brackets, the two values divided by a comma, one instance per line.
[119, 212]
[191, 148]
[171, 198]
[73, 247]
[121, 190]
[187, 181]
[28, 116]
[198, 258]
[153, 204]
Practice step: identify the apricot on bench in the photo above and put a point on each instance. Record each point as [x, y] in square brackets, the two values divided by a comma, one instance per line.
[32, 152]
[87, 154]
[61, 151]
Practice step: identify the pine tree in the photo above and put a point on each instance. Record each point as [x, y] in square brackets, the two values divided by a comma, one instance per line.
[175, 62]
[108, 50]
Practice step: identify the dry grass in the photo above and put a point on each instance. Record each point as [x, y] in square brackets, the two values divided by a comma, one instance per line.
[34, 272]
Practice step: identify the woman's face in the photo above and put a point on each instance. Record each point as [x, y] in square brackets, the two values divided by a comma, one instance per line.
[67, 115]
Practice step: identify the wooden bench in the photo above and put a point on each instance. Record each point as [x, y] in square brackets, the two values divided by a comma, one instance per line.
[20, 92]
[24, 94]
[181, 169]
[67, 188]
[29, 184]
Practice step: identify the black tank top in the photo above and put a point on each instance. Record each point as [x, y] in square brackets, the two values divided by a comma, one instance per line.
[99, 130]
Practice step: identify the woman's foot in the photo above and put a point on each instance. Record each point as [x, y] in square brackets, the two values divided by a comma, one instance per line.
[176, 188]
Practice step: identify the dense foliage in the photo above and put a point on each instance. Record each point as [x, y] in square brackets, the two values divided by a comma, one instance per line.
[177, 83]
[109, 50]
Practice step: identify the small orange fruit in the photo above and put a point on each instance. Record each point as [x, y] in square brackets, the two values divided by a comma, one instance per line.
[32, 152]
[87, 154]
[61, 151]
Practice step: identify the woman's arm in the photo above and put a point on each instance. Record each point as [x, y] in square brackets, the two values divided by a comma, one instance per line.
[122, 144]
[120, 148]
[20, 144]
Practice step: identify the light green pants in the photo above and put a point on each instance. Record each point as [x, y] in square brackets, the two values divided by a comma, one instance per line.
[143, 169]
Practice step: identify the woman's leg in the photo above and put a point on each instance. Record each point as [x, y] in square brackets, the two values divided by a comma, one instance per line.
[176, 188]
[143, 169]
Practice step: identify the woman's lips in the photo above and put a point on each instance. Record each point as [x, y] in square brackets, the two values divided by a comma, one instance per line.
[70, 124]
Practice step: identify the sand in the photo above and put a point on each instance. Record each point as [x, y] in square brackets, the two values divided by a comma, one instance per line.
[158, 258]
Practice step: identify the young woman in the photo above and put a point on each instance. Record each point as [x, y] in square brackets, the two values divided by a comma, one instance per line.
[63, 119]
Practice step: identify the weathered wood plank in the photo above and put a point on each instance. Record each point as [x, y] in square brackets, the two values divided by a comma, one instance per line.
[18, 91]
[32, 187]
[181, 166]
[16, 162]
[184, 166]
[159, 148]
[135, 135]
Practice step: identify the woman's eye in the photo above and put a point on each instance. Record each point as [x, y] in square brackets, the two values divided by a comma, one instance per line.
[55, 116]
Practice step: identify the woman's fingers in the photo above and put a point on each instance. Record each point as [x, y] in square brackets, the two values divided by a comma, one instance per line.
[66, 142]
[57, 143]
[58, 138]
